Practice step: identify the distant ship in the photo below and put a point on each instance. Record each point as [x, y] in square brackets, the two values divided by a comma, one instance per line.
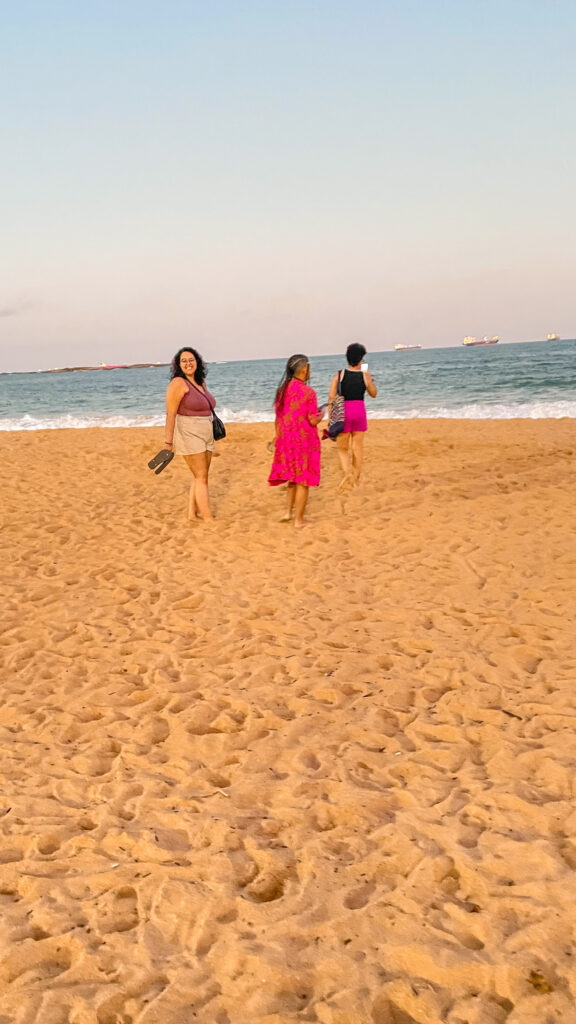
[552, 337]
[471, 342]
[406, 348]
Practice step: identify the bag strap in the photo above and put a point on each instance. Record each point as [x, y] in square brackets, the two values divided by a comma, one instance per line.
[339, 383]
[203, 395]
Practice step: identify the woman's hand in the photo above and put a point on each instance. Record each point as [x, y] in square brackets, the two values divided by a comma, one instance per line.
[315, 420]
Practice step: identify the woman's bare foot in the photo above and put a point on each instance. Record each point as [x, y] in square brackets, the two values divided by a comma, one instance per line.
[299, 524]
[344, 483]
[286, 518]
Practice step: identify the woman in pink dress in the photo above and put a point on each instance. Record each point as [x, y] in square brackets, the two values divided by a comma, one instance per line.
[297, 445]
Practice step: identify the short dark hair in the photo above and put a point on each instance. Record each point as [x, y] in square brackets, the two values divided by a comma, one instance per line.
[355, 353]
[177, 371]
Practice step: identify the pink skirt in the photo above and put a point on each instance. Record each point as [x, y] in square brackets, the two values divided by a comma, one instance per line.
[354, 417]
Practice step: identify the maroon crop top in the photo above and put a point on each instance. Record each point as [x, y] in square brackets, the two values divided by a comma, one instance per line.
[193, 403]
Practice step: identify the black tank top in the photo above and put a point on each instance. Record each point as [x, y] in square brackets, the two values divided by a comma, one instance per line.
[352, 386]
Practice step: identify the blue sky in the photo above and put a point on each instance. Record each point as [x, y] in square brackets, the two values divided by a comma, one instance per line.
[255, 177]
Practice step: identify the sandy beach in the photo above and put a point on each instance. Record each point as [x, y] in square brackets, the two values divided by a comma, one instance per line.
[255, 775]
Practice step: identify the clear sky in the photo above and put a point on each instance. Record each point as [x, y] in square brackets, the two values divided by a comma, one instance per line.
[266, 176]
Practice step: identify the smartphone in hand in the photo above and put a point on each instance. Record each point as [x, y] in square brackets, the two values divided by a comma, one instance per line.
[364, 367]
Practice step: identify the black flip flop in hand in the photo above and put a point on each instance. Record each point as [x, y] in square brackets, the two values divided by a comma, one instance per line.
[160, 461]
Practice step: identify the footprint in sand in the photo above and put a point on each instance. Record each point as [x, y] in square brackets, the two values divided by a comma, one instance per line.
[113, 1010]
[527, 659]
[123, 803]
[266, 889]
[309, 760]
[37, 964]
[385, 1011]
[10, 855]
[48, 844]
[91, 765]
[87, 824]
[120, 911]
[358, 898]
[153, 732]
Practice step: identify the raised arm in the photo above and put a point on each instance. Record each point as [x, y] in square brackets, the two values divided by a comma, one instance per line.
[370, 385]
[174, 394]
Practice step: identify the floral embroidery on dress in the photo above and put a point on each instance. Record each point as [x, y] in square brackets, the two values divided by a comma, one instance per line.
[297, 446]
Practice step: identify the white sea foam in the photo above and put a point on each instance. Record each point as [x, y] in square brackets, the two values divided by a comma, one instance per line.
[71, 422]
[482, 411]
[81, 422]
[477, 411]
[246, 416]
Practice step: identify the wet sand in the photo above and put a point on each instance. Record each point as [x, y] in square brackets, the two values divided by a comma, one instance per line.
[256, 775]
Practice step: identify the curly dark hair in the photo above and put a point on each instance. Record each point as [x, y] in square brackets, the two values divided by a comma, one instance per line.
[200, 371]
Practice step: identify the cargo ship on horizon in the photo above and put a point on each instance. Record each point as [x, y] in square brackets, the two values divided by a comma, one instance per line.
[406, 348]
[473, 342]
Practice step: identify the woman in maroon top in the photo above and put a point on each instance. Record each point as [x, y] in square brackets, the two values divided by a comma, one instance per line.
[188, 429]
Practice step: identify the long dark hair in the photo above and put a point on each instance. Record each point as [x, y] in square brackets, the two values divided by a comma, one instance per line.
[294, 364]
[200, 371]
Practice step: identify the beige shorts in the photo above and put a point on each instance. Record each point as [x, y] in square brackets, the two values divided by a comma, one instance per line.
[193, 435]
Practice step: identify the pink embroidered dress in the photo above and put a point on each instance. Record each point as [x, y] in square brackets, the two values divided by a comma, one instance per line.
[297, 445]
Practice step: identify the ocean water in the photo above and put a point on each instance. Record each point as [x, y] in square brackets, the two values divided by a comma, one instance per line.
[524, 380]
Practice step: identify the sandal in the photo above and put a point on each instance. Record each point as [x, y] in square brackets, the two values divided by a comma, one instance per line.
[161, 460]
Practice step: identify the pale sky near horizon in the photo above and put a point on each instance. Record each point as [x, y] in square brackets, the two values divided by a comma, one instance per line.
[268, 177]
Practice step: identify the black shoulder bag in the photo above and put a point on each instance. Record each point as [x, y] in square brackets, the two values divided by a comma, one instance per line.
[218, 428]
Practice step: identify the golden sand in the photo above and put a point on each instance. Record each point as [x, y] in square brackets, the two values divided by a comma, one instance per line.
[251, 775]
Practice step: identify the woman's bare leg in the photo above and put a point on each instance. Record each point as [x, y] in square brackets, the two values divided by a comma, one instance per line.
[300, 499]
[343, 444]
[357, 454]
[192, 507]
[291, 497]
[198, 505]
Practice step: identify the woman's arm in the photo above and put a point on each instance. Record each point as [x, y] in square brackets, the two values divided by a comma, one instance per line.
[174, 395]
[315, 418]
[333, 391]
[370, 385]
[315, 415]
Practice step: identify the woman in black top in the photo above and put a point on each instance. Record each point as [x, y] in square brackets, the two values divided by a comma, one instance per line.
[354, 383]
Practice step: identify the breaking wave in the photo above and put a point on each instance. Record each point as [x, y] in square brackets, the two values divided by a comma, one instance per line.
[535, 410]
